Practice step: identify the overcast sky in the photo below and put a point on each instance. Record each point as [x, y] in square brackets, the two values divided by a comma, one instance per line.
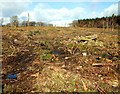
[57, 12]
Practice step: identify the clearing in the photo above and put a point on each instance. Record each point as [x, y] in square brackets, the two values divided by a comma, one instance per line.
[60, 59]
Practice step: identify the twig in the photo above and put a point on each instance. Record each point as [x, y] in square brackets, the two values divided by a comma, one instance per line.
[102, 91]
[76, 86]
[84, 86]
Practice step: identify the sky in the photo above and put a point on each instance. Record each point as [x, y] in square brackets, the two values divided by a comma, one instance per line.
[57, 12]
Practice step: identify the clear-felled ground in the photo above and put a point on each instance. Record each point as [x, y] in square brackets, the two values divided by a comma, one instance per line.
[51, 59]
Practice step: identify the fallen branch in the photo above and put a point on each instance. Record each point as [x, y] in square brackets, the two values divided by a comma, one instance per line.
[102, 91]
[84, 85]
[102, 64]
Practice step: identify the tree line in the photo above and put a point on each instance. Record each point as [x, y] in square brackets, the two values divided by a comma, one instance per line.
[14, 21]
[104, 22]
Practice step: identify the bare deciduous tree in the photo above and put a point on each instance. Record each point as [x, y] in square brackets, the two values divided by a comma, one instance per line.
[14, 21]
[28, 19]
[107, 23]
[112, 22]
[103, 22]
[1, 21]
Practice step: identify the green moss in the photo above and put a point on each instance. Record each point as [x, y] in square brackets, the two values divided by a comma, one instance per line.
[46, 55]
[32, 33]
[82, 47]
[70, 45]
[104, 55]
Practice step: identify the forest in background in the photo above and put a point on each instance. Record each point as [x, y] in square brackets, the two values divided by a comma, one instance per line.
[104, 22]
[112, 22]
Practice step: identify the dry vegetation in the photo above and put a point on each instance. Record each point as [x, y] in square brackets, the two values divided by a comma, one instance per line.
[52, 59]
